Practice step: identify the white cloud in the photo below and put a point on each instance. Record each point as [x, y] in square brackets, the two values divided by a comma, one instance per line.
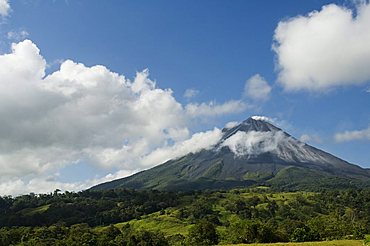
[253, 142]
[212, 109]
[231, 124]
[310, 138]
[77, 112]
[18, 186]
[353, 135]
[189, 93]
[24, 66]
[257, 88]
[275, 121]
[199, 141]
[262, 118]
[17, 35]
[4, 8]
[324, 49]
[89, 114]
[277, 142]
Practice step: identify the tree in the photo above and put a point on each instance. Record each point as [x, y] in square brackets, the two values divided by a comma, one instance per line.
[108, 235]
[240, 208]
[300, 234]
[147, 238]
[203, 233]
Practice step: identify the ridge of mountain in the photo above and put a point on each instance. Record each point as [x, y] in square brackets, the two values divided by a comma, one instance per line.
[254, 152]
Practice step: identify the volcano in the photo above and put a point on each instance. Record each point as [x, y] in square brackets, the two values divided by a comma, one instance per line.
[252, 153]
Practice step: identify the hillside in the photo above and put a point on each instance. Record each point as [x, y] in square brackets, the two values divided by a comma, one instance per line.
[254, 152]
[126, 217]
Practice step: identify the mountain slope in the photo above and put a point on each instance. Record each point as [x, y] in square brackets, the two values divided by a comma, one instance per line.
[252, 152]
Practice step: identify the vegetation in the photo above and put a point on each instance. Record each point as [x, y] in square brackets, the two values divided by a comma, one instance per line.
[91, 207]
[325, 243]
[79, 234]
[203, 233]
[129, 217]
[367, 240]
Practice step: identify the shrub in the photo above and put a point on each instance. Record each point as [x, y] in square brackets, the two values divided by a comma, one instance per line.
[203, 233]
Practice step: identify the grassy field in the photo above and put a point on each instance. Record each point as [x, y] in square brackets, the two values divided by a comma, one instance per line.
[169, 225]
[325, 243]
[33, 211]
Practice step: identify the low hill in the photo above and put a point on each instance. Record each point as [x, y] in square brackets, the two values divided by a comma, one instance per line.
[128, 217]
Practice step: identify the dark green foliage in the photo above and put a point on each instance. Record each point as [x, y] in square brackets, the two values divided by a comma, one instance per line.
[240, 208]
[245, 216]
[200, 209]
[303, 234]
[252, 231]
[80, 234]
[91, 207]
[147, 238]
[177, 239]
[202, 233]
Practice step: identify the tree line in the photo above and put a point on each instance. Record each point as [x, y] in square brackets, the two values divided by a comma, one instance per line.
[236, 216]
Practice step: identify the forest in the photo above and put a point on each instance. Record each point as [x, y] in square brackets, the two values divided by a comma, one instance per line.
[149, 217]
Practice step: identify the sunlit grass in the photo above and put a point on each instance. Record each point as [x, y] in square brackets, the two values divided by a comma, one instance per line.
[324, 243]
[32, 211]
[167, 224]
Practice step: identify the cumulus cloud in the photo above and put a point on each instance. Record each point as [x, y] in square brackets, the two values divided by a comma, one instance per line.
[89, 114]
[253, 142]
[189, 93]
[212, 109]
[78, 110]
[257, 88]
[198, 142]
[4, 8]
[324, 49]
[17, 186]
[353, 135]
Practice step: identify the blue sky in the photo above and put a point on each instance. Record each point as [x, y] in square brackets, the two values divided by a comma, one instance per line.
[210, 48]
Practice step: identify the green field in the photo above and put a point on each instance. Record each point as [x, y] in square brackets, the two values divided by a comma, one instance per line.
[169, 225]
[325, 243]
[33, 211]
[121, 217]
